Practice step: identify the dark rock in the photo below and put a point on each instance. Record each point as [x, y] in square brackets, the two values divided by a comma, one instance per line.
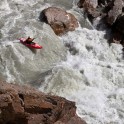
[73, 120]
[97, 8]
[110, 12]
[119, 25]
[115, 11]
[26, 105]
[119, 30]
[117, 37]
[88, 3]
[60, 21]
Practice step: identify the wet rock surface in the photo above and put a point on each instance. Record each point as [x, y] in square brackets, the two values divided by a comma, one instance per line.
[110, 12]
[26, 105]
[60, 21]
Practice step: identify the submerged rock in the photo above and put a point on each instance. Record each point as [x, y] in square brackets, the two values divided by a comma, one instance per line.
[26, 105]
[59, 20]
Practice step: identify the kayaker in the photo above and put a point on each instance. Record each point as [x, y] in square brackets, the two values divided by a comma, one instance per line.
[29, 40]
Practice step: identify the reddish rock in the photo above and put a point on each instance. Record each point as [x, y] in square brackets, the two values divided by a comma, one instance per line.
[59, 20]
[104, 3]
[26, 105]
[36, 119]
[75, 120]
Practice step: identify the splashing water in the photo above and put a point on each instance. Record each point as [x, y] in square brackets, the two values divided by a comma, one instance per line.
[92, 73]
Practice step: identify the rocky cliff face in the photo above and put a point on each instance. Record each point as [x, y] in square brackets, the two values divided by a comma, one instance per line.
[111, 11]
[26, 105]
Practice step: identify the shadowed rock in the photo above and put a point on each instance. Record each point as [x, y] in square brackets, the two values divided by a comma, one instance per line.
[89, 7]
[90, 3]
[111, 8]
[115, 11]
[110, 13]
[119, 30]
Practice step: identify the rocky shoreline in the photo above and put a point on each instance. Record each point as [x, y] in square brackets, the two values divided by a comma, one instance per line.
[110, 12]
[26, 105]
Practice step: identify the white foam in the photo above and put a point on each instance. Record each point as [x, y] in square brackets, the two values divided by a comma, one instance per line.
[102, 70]
[4, 5]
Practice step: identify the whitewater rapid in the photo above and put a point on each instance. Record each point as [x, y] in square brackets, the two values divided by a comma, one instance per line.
[93, 77]
[89, 71]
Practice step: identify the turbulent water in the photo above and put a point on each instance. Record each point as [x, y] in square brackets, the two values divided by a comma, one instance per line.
[91, 73]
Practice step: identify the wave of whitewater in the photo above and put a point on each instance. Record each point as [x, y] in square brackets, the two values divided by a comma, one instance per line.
[93, 77]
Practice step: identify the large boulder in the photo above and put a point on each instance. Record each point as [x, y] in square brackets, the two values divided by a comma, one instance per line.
[59, 20]
[26, 105]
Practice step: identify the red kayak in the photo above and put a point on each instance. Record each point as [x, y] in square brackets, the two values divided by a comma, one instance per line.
[32, 45]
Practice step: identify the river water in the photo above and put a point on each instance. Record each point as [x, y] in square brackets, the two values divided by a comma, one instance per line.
[91, 73]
